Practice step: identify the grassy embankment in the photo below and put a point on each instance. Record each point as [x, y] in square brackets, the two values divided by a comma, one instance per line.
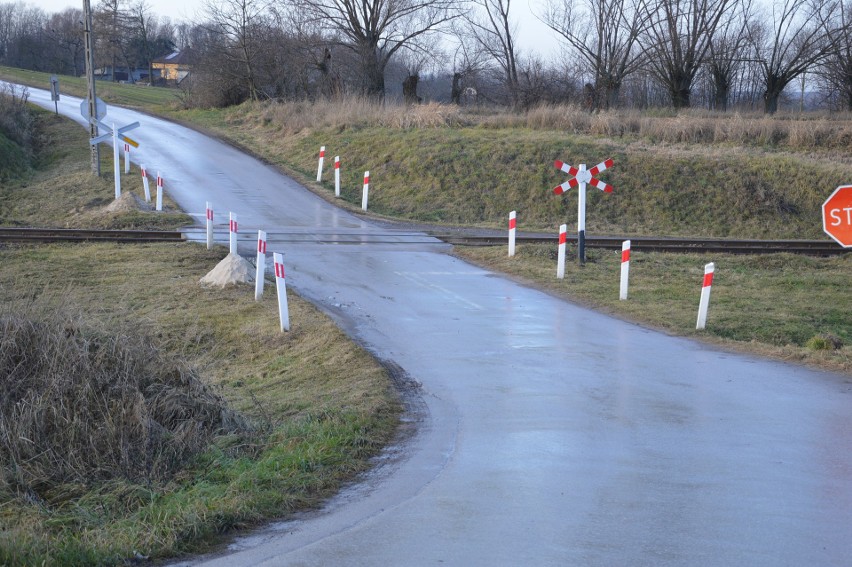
[305, 410]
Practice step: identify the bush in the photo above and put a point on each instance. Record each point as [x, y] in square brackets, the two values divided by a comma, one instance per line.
[824, 342]
[81, 405]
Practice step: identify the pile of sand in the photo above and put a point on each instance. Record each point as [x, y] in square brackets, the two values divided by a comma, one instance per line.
[232, 270]
[128, 202]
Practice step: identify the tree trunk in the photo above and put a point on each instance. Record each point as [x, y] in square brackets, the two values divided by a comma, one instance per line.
[409, 89]
[456, 90]
[774, 87]
[721, 89]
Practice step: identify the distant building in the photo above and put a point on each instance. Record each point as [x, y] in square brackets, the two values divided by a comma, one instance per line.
[174, 67]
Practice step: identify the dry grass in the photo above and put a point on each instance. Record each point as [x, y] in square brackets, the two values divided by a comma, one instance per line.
[82, 404]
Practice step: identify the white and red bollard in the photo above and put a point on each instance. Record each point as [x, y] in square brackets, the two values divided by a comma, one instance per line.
[281, 286]
[209, 214]
[319, 167]
[261, 265]
[709, 270]
[116, 164]
[366, 194]
[513, 222]
[560, 257]
[232, 233]
[337, 176]
[126, 158]
[160, 183]
[625, 269]
[145, 184]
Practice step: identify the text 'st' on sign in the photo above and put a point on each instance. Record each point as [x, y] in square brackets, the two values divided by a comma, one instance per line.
[837, 215]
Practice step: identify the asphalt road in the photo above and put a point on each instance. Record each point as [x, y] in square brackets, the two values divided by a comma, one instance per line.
[543, 433]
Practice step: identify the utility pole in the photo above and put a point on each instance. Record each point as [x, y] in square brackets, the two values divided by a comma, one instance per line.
[90, 79]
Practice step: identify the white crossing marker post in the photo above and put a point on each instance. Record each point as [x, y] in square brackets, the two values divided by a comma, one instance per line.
[709, 270]
[145, 184]
[319, 168]
[160, 183]
[261, 265]
[281, 286]
[560, 257]
[625, 269]
[580, 178]
[232, 233]
[209, 215]
[126, 158]
[116, 164]
[512, 225]
[337, 176]
[366, 193]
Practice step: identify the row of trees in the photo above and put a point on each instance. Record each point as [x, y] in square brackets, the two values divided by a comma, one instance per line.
[623, 52]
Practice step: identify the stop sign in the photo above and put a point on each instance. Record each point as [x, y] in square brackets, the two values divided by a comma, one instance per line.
[837, 215]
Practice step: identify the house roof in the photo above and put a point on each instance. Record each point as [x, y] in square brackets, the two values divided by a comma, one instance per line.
[175, 58]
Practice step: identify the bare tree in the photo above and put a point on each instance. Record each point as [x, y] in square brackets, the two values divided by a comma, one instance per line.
[799, 35]
[239, 27]
[492, 30]
[67, 38]
[679, 35]
[605, 33]
[726, 53]
[375, 30]
[836, 72]
[467, 64]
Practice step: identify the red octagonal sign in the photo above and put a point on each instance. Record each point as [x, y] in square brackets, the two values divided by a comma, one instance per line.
[837, 215]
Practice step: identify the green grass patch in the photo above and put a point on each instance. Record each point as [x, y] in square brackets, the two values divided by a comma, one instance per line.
[321, 406]
[770, 304]
[152, 99]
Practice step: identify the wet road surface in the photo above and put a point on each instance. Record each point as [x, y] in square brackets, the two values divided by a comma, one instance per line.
[546, 434]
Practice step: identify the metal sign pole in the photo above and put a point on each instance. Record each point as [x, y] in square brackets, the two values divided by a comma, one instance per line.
[581, 215]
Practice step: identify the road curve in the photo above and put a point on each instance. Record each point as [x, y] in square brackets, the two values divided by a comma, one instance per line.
[547, 434]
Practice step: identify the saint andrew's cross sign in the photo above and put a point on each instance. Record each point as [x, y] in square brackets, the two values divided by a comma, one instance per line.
[580, 177]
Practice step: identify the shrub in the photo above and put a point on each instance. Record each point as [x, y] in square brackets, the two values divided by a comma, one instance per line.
[824, 342]
[81, 404]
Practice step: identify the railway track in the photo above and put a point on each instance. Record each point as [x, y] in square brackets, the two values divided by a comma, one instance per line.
[645, 244]
[652, 244]
[79, 235]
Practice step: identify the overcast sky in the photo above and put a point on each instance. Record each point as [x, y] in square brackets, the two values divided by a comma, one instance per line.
[533, 36]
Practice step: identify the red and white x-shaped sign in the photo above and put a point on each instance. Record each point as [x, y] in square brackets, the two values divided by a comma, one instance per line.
[583, 176]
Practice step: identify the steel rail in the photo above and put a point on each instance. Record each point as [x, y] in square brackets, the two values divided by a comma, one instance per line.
[84, 235]
[653, 244]
[643, 244]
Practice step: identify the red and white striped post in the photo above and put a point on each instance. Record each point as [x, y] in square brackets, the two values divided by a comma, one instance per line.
[116, 164]
[126, 158]
[281, 286]
[366, 194]
[513, 221]
[261, 265]
[319, 167]
[709, 270]
[232, 233]
[209, 211]
[337, 176]
[160, 183]
[560, 256]
[625, 269]
[145, 184]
